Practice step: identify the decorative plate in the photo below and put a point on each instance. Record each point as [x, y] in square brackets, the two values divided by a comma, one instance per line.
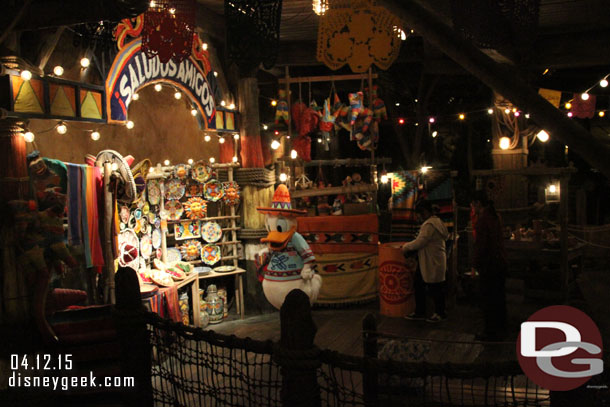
[156, 238]
[160, 277]
[190, 249]
[157, 222]
[124, 214]
[224, 269]
[195, 208]
[187, 230]
[211, 232]
[201, 171]
[173, 255]
[129, 238]
[212, 190]
[232, 194]
[151, 217]
[174, 189]
[210, 254]
[180, 171]
[154, 192]
[173, 209]
[146, 209]
[137, 214]
[146, 246]
[193, 188]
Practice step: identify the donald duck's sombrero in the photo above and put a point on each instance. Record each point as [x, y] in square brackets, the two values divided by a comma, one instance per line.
[280, 204]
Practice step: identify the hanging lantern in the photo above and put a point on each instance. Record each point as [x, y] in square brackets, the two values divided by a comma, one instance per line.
[168, 29]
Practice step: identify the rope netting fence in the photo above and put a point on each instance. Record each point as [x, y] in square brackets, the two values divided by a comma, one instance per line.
[193, 367]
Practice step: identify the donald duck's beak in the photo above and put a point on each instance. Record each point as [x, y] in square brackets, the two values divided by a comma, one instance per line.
[278, 240]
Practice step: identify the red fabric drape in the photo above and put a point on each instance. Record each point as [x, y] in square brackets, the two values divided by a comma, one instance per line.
[251, 152]
[227, 150]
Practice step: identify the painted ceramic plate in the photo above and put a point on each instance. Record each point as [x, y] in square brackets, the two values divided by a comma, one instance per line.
[211, 232]
[124, 214]
[210, 254]
[190, 250]
[154, 192]
[146, 246]
[174, 189]
[174, 210]
[231, 193]
[224, 269]
[212, 190]
[156, 238]
[129, 238]
[187, 230]
[173, 255]
[180, 171]
[201, 171]
[195, 208]
[151, 217]
[193, 188]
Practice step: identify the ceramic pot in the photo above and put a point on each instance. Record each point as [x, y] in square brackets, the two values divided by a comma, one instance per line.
[222, 293]
[214, 305]
[183, 301]
[204, 318]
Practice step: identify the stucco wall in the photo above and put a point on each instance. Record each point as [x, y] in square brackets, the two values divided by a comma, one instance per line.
[164, 130]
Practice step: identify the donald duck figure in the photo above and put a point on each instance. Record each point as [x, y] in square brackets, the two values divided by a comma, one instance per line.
[287, 261]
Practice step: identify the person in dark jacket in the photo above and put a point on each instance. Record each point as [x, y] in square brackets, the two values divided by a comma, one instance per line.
[490, 261]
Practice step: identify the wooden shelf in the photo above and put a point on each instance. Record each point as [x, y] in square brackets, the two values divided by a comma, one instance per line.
[230, 273]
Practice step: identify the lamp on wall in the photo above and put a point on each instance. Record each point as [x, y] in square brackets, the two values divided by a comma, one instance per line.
[552, 192]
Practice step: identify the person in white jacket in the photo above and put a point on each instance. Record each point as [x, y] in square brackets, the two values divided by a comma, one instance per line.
[430, 276]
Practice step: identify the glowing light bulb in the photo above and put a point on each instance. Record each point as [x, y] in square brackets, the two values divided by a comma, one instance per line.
[432, 120]
[319, 140]
[95, 136]
[212, 160]
[568, 105]
[514, 110]
[61, 128]
[293, 154]
[527, 115]
[58, 70]
[552, 189]
[462, 116]
[425, 169]
[234, 158]
[172, 11]
[207, 137]
[129, 125]
[29, 136]
[283, 177]
[177, 95]
[384, 179]
[236, 136]
[401, 121]
[222, 103]
[601, 113]
[517, 114]
[190, 161]
[166, 162]
[274, 103]
[275, 144]
[135, 96]
[158, 87]
[603, 83]
[85, 62]
[434, 134]
[543, 136]
[221, 140]
[504, 143]
[152, 4]
[490, 111]
[584, 96]
[215, 74]
[204, 46]
[193, 112]
[26, 75]
[570, 114]
[232, 106]
[265, 127]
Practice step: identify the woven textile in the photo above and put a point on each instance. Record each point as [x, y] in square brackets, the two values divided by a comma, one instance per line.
[341, 234]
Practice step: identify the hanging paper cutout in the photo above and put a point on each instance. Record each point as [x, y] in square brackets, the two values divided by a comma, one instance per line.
[359, 36]
[553, 96]
[583, 109]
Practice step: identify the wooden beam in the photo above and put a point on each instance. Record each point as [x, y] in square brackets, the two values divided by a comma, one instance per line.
[49, 47]
[326, 78]
[503, 80]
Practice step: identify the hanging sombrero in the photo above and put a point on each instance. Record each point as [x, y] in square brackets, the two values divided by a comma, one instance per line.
[280, 204]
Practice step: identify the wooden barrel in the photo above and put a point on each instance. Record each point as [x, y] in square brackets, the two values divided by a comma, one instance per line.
[396, 274]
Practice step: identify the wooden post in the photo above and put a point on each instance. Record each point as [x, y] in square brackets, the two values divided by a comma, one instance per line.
[163, 223]
[297, 354]
[109, 296]
[251, 147]
[563, 234]
[369, 347]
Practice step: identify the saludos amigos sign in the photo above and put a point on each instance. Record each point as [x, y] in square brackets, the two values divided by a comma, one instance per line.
[132, 69]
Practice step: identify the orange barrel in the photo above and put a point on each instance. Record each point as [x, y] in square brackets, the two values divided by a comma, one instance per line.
[396, 274]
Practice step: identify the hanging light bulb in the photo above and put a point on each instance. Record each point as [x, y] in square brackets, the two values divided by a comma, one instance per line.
[221, 140]
[204, 46]
[517, 114]
[320, 7]
[212, 160]
[584, 96]
[135, 96]
[603, 83]
[601, 113]
[434, 134]
[527, 115]
[26, 75]
[265, 127]
[61, 128]
[543, 136]
[504, 143]
[236, 136]
[319, 140]
[193, 112]
[514, 110]
[85, 62]
[570, 114]
[190, 161]
[568, 105]
[172, 10]
[275, 144]
[95, 136]
[215, 74]
[207, 137]
[507, 110]
[490, 111]
[401, 121]
[274, 103]
[232, 106]
[166, 162]
[58, 70]
[129, 125]
[293, 154]
[462, 116]
[29, 136]
[177, 95]
[152, 4]
[431, 120]
[234, 158]
[223, 103]
[397, 104]
[158, 87]
[283, 177]
[425, 169]
[384, 178]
